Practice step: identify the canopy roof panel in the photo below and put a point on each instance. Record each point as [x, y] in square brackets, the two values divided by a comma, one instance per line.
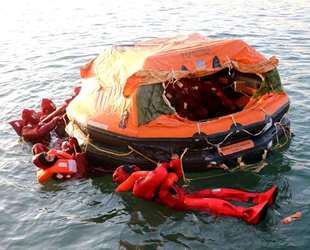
[112, 78]
[182, 56]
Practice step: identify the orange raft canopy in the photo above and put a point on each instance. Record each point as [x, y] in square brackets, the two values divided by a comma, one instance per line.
[220, 99]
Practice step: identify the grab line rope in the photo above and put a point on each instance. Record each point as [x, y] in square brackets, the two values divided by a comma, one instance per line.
[244, 130]
[63, 117]
[279, 145]
[133, 150]
[116, 154]
[235, 170]
[105, 151]
[186, 181]
[208, 177]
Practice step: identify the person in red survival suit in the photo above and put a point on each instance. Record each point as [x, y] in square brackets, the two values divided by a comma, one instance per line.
[160, 186]
[71, 164]
[189, 102]
[60, 165]
[31, 129]
[211, 90]
[32, 120]
[70, 147]
[47, 107]
[60, 129]
[46, 115]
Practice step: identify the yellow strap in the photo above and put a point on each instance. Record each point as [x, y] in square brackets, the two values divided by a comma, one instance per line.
[240, 162]
[87, 141]
[279, 145]
[142, 155]
[116, 154]
[186, 181]
[109, 152]
[207, 177]
[63, 117]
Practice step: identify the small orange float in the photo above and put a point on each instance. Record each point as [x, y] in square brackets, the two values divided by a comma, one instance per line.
[291, 218]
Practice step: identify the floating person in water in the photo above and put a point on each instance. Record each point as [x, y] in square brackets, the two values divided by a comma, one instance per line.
[59, 165]
[31, 129]
[47, 107]
[160, 186]
[34, 126]
[70, 147]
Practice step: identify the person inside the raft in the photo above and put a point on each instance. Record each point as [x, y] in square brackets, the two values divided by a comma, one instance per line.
[160, 186]
[195, 99]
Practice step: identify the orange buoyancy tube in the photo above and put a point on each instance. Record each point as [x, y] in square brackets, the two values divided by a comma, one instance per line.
[64, 165]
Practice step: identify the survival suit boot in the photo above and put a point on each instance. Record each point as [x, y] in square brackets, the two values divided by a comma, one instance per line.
[255, 214]
[269, 196]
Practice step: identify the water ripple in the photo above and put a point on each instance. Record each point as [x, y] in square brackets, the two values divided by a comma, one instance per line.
[43, 45]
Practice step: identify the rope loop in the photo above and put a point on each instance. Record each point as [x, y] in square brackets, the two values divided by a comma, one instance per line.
[186, 181]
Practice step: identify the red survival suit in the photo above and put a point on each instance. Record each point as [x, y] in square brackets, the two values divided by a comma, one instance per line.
[160, 186]
[195, 99]
[30, 127]
[37, 132]
[47, 107]
[66, 167]
[35, 126]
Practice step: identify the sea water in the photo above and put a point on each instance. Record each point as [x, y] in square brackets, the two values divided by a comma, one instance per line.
[42, 46]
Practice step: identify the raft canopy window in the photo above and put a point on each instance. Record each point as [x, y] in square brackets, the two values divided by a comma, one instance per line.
[199, 99]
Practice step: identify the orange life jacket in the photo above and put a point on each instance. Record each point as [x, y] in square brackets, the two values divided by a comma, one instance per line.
[64, 165]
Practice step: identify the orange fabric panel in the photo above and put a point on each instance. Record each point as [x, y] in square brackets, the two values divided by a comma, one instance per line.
[194, 51]
[188, 53]
[88, 70]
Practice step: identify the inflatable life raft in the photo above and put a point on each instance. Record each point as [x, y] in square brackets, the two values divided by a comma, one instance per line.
[220, 101]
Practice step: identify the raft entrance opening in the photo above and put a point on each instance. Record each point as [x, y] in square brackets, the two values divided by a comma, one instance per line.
[212, 96]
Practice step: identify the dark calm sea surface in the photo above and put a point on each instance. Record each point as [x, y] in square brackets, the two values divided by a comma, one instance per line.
[42, 46]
